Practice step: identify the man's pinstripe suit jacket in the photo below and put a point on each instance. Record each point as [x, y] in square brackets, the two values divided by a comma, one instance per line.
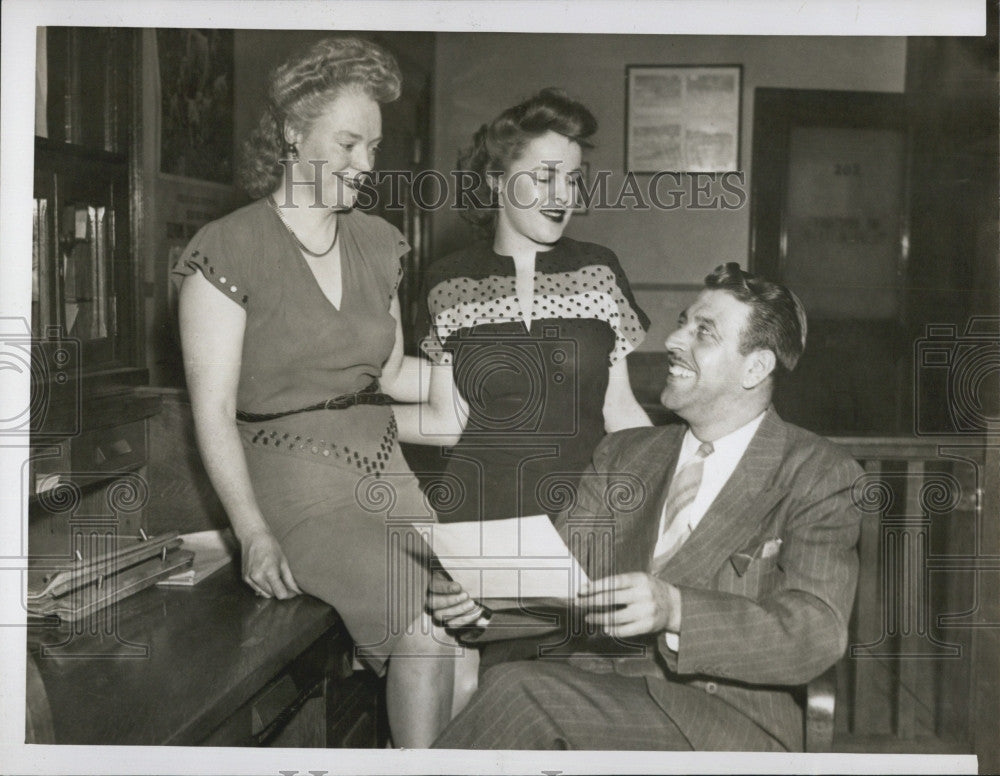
[767, 579]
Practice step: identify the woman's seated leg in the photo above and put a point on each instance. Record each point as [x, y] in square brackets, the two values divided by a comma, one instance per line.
[430, 678]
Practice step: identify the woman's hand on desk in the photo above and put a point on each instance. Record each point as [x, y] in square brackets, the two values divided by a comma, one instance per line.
[450, 605]
[265, 568]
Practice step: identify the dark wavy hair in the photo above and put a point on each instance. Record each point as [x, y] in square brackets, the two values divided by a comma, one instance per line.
[497, 144]
[777, 319]
[301, 89]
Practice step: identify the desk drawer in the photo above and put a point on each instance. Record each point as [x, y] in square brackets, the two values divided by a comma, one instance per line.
[291, 710]
[289, 714]
[285, 713]
[354, 714]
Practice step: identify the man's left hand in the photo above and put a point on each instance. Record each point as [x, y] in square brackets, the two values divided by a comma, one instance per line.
[650, 604]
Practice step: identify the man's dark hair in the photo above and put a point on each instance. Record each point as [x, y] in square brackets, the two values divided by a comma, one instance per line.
[777, 320]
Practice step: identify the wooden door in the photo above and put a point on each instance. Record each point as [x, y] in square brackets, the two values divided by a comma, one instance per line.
[829, 218]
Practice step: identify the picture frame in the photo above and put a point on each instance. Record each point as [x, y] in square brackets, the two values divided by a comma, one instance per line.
[196, 74]
[683, 118]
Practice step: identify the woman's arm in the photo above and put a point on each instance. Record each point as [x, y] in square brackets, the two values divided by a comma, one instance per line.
[404, 378]
[441, 419]
[212, 328]
[436, 414]
[621, 410]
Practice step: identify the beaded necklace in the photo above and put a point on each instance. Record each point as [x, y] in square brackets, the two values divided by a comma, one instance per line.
[314, 254]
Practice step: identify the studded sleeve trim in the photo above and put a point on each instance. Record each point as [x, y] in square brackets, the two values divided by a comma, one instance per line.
[209, 254]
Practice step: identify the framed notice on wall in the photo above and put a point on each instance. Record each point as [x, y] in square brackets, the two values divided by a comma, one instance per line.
[682, 118]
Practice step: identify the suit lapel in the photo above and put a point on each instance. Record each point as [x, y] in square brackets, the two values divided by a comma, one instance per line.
[637, 532]
[738, 510]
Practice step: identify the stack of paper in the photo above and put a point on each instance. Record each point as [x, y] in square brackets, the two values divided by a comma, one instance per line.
[212, 550]
[508, 562]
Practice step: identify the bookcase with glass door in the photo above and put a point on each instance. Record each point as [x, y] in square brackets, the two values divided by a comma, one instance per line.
[88, 423]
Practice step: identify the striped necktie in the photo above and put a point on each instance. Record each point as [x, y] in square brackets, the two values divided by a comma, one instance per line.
[682, 491]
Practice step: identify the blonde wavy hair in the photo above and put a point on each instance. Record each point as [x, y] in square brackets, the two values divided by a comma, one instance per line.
[301, 89]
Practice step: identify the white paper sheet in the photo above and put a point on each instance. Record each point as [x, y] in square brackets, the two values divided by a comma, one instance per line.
[518, 559]
[212, 550]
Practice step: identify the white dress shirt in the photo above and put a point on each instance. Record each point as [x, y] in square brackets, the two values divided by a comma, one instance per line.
[716, 471]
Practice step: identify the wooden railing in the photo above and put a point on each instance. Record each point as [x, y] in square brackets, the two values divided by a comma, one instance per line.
[923, 635]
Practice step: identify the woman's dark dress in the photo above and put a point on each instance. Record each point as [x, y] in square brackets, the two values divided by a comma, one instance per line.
[536, 397]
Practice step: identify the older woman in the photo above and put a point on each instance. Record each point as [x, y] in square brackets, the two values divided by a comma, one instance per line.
[290, 329]
[529, 329]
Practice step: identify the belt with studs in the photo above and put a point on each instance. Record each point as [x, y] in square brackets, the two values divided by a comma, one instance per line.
[368, 395]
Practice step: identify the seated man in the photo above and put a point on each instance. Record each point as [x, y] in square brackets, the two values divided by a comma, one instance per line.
[736, 573]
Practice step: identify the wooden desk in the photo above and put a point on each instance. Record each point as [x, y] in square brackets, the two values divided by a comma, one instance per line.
[210, 664]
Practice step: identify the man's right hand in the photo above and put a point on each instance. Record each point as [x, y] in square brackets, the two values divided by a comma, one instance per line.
[450, 605]
[265, 568]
